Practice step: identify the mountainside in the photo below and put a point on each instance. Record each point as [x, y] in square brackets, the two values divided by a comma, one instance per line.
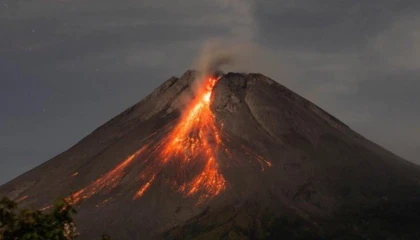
[230, 156]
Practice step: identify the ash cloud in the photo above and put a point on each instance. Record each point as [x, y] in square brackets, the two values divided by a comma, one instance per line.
[232, 52]
[223, 55]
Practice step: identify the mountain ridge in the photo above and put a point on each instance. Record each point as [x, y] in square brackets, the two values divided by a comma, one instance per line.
[278, 158]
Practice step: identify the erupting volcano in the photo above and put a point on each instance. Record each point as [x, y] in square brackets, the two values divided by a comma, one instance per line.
[192, 144]
[230, 156]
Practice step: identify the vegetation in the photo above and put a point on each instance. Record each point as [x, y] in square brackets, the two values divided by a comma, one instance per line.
[26, 224]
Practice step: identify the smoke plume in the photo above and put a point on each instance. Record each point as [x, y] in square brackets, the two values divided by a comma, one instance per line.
[231, 52]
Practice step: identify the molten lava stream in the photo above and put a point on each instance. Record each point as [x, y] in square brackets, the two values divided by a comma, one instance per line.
[189, 149]
[109, 180]
[194, 138]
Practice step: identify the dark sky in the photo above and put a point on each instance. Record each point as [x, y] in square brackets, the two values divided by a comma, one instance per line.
[68, 66]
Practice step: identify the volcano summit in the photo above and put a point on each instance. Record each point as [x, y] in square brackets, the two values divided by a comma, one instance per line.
[229, 156]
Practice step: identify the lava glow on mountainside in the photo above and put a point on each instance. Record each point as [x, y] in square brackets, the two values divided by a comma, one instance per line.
[191, 144]
[185, 158]
[195, 137]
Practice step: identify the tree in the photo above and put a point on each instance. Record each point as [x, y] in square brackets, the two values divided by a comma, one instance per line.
[26, 224]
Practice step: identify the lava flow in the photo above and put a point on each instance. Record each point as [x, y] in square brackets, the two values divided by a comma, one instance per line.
[193, 141]
[186, 156]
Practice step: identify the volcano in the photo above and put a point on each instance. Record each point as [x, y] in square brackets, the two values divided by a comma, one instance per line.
[228, 156]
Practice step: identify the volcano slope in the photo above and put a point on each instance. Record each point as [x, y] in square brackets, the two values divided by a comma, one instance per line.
[234, 156]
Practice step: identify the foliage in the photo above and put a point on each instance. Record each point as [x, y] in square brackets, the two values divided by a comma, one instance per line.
[105, 237]
[26, 224]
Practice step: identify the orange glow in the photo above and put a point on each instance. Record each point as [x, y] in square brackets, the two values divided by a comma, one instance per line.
[193, 140]
[197, 137]
[186, 156]
[210, 179]
[109, 180]
[144, 188]
[263, 162]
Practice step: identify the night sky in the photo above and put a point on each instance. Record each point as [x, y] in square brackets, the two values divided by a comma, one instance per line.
[68, 66]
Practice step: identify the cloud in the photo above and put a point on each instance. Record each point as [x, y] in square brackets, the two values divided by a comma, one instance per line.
[238, 50]
[399, 46]
[241, 19]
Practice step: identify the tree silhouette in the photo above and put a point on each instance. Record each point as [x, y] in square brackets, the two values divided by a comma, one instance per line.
[26, 224]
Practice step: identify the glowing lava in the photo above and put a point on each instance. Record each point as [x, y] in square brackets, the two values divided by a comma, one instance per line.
[108, 181]
[195, 138]
[186, 156]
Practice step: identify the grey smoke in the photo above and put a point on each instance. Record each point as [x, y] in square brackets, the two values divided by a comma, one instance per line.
[234, 51]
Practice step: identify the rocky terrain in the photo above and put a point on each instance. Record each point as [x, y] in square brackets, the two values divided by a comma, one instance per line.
[253, 160]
